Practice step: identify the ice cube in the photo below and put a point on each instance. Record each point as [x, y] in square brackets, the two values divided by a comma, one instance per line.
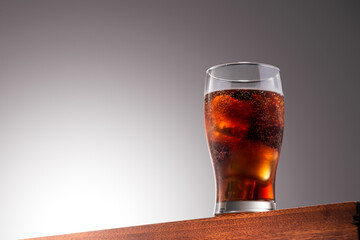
[254, 160]
[230, 116]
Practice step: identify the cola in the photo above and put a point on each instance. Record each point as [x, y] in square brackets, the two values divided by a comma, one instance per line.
[244, 130]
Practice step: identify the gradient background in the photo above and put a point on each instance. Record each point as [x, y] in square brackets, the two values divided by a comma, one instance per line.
[101, 106]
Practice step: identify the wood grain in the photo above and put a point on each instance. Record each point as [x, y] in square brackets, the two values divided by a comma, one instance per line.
[331, 221]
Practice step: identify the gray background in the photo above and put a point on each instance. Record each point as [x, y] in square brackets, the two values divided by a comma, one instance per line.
[101, 115]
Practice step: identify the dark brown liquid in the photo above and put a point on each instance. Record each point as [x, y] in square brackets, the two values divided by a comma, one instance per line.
[244, 130]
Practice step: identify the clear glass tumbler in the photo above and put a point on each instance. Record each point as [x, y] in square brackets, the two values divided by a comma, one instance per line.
[244, 122]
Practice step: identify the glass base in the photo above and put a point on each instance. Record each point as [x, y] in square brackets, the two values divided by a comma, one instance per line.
[244, 206]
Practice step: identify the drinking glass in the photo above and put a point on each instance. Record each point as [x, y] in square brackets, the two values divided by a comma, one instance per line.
[244, 122]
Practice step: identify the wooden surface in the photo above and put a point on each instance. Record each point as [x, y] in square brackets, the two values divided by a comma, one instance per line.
[332, 221]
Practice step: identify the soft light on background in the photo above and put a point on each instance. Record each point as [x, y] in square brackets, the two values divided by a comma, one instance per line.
[101, 115]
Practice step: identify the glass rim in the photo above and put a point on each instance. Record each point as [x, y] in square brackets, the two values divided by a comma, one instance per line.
[241, 63]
